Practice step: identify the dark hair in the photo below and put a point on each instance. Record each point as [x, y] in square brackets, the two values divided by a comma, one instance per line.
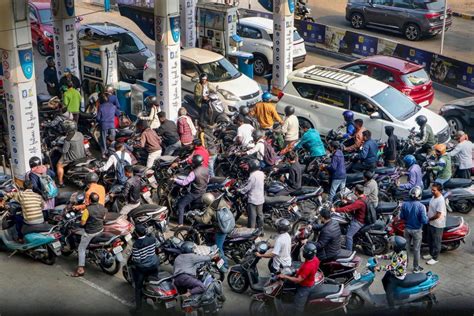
[367, 134]
[438, 186]
[335, 145]
[240, 118]
[359, 189]
[202, 124]
[140, 230]
[305, 125]
[162, 114]
[103, 98]
[128, 169]
[28, 184]
[291, 155]
[197, 142]
[94, 197]
[118, 146]
[69, 84]
[325, 213]
[359, 122]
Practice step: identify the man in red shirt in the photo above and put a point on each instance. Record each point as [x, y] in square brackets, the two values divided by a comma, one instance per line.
[359, 209]
[304, 277]
[199, 149]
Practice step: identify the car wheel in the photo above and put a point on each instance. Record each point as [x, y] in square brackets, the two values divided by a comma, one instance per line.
[455, 125]
[357, 21]
[42, 48]
[412, 32]
[260, 65]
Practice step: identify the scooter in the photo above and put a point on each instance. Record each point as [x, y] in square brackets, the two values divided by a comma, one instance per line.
[302, 12]
[415, 288]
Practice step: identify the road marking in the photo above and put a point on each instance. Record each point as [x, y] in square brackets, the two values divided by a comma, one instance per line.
[105, 292]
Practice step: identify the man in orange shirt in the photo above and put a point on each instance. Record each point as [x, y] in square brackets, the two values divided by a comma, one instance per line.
[265, 112]
[92, 187]
[358, 138]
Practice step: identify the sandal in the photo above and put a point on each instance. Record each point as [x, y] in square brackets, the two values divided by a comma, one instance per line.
[77, 274]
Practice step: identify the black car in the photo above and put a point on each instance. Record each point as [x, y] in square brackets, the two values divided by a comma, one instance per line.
[412, 18]
[460, 115]
[132, 52]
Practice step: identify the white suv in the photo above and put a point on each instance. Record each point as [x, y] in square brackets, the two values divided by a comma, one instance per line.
[233, 88]
[257, 34]
[321, 94]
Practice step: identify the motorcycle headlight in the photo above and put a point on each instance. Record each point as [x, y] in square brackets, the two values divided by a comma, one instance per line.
[47, 34]
[129, 65]
[228, 95]
[271, 288]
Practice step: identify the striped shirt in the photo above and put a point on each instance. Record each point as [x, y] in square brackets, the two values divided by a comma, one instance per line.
[31, 205]
[144, 253]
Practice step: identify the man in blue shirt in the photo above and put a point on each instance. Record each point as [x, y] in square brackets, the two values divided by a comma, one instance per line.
[337, 169]
[311, 141]
[110, 92]
[106, 120]
[413, 212]
[368, 154]
[415, 176]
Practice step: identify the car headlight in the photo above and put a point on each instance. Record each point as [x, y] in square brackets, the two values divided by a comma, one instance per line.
[129, 65]
[228, 95]
[447, 108]
[232, 108]
[47, 34]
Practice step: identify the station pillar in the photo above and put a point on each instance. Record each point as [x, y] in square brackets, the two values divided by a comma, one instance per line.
[188, 22]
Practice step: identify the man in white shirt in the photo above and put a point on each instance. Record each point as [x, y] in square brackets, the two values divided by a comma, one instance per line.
[254, 189]
[281, 252]
[463, 153]
[244, 132]
[121, 154]
[436, 224]
[291, 126]
[259, 148]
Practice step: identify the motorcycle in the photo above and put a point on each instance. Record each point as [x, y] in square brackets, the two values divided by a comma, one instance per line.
[302, 12]
[416, 288]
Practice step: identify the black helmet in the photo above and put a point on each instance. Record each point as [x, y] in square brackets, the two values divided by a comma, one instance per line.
[187, 247]
[289, 110]
[257, 134]
[282, 225]
[309, 251]
[421, 120]
[203, 76]
[244, 110]
[92, 177]
[151, 100]
[80, 198]
[35, 162]
[254, 165]
[398, 243]
[50, 60]
[368, 175]
[197, 161]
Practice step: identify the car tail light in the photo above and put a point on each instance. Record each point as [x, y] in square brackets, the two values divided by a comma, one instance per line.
[280, 95]
[432, 15]
[406, 91]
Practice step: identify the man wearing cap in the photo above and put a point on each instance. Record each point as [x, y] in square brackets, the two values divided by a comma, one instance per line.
[68, 76]
[463, 153]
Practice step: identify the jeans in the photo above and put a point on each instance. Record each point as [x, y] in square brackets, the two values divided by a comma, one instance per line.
[127, 208]
[85, 241]
[139, 275]
[414, 235]
[255, 215]
[103, 138]
[435, 236]
[185, 201]
[152, 157]
[463, 173]
[190, 283]
[390, 282]
[354, 227]
[169, 150]
[336, 185]
[301, 297]
[212, 161]
[220, 239]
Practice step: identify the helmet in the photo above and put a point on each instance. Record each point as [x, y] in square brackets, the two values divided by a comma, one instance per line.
[80, 198]
[257, 134]
[282, 225]
[254, 165]
[416, 193]
[70, 126]
[368, 175]
[244, 110]
[266, 96]
[262, 247]
[110, 89]
[50, 60]
[441, 148]
[208, 198]
[197, 161]
[398, 243]
[409, 160]
[93, 98]
[203, 76]
[289, 110]
[187, 247]
[348, 116]
[92, 177]
[309, 251]
[35, 162]
[151, 100]
[421, 120]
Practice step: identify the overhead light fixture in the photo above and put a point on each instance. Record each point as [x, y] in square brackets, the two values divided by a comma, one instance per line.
[19, 10]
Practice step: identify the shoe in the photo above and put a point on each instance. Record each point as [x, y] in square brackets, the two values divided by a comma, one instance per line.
[61, 185]
[427, 257]
[432, 262]
[418, 270]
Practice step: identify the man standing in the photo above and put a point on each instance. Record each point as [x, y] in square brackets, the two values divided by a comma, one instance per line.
[266, 113]
[413, 212]
[337, 170]
[436, 224]
[254, 190]
[169, 133]
[51, 77]
[150, 140]
[131, 191]
[106, 119]
[201, 90]
[463, 153]
[390, 152]
[72, 101]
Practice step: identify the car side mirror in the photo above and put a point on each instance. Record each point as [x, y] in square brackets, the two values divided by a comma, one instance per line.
[375, 116]
[195, 79]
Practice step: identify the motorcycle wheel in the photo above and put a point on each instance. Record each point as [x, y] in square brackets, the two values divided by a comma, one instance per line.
[380, 246]
[298, 225]
[259, 308]
[50, 259]
[187, 234]
[127, 275]
[237, 282]
[355, 302]
[453, 245]
[112, 270]
[462, 206]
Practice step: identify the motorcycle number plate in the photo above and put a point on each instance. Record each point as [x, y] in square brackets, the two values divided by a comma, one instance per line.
[220, 263]
[128, 237]
[118, 249]
[152, 180]
[56, 245]
[86, 146]
[170, 304]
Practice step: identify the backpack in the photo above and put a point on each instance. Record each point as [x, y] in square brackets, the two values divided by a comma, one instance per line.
[120, 168]
[49, 190]
[225, 220]
[269, 155]
[370, 213]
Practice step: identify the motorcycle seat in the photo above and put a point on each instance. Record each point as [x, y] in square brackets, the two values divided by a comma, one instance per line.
[305, 190]
[323, 290]
[242, 232]
[457, 183]
[139, 169]
[102, 238]
[146, 209]
[385, 170]
[154, 279]
[123, 132]
[413, 279]
[167, 160]
[111, 218]
[345, 255]
[39, 228]
[43, 97]
[279, 199]
[452, 222]
[386, 207]
[355, 177]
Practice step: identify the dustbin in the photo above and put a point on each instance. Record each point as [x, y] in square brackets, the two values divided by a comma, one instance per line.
[244, 62]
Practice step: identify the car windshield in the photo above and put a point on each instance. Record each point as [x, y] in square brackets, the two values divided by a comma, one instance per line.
[45, 16]
[434, 5]
[220, 70]
[129, 43]
[396, 103]
[416, 78]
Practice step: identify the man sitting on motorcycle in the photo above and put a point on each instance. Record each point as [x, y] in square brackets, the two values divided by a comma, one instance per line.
[199, 149]
[396, 270]
[119, 156]
[415, 176]
[294, 170]
[265, 112]
[349, 124]
[426, 137]
[368, 154]
[305, 276]
[291, 126]
[357, 140]
[281, 253]
[443, 167]
[311, 141]
[259, 139]
[93, 186]
[131, 191]
[73, 149]
[329, 240]
[244, 132]
[185, 270]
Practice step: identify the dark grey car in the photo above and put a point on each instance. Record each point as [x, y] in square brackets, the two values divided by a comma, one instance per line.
[132, 52]
[413, 18]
